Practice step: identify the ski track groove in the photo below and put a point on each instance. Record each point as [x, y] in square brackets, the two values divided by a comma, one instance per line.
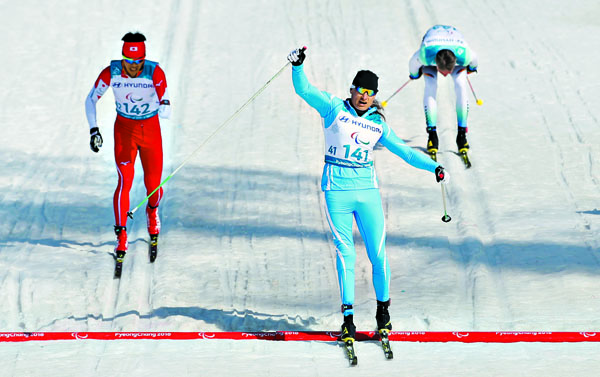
[563, 156]
[474, 240]
[9, 289]
[564, 181]
[113, 297]
[475, 245]
[19, 302]
[139, 289]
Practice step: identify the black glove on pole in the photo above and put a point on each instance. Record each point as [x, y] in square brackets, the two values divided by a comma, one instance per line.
[440, 174]
[297, 56]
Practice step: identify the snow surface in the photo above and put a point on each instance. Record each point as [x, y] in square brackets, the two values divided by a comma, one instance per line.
[245, 246]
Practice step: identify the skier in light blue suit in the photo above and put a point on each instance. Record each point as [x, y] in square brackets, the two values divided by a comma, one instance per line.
[352, 128]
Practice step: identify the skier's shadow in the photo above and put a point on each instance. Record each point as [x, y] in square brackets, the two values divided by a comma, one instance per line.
[232, 320]
[114, 254]
[595, 211]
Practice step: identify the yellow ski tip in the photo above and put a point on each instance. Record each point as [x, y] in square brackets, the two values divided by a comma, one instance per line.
[479, 102]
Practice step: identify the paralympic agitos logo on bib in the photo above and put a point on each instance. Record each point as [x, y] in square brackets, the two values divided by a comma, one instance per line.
[130, 98]
[355, 122]
[354, 136]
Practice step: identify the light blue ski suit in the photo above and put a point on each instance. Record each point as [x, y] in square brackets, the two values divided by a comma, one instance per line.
[350, 183]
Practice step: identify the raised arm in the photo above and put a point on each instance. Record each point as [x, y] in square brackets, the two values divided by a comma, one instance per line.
[321, 101]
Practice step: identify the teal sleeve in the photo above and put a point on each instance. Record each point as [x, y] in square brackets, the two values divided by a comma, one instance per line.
[320, 101]
[408, 154]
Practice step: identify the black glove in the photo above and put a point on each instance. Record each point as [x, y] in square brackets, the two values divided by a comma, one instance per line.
[471, 69]
[95, 139]
[297, 56]
[419, 74]
[440, 175]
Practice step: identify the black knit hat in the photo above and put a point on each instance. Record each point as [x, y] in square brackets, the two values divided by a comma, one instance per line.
[366, 79]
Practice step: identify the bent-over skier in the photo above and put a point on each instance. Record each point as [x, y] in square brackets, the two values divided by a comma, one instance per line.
[444, 50]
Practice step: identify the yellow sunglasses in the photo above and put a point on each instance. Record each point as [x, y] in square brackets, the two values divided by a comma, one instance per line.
[361, 90]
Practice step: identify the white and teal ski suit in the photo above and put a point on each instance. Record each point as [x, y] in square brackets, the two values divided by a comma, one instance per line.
[437, 38]
[350, 182]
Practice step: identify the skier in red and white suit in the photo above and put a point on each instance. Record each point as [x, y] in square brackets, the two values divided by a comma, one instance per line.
[141, 96]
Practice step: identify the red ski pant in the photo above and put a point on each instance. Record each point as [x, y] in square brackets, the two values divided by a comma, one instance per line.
[132, 136]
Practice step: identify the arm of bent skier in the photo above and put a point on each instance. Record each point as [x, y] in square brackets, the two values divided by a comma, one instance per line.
[472, 66]
[320, 101]
[415, 66]
[408, 154]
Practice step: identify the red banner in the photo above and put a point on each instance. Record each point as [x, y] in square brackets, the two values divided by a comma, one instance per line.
[326, 336]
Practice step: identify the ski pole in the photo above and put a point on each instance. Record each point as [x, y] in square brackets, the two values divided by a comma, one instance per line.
[130, 213]
[384, 103]
[479, 102]
[446, 218]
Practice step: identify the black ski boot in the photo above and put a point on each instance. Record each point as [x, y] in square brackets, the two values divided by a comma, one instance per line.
[461, 139]
[383, 316]
[432, 143]
[463, 145]
[153, 249]
[348, 329]
[120, 249]
[384, 326]
[347, 336]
